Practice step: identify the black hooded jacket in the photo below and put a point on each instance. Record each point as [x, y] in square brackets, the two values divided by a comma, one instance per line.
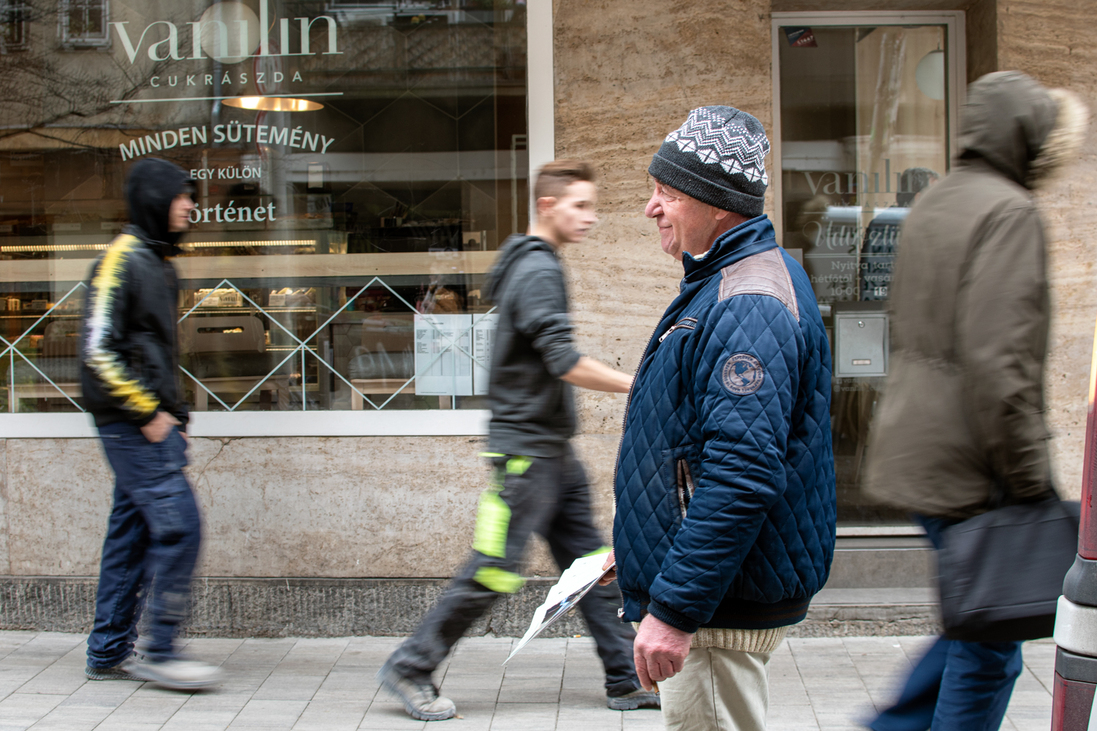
[129, 345]
[532, 410]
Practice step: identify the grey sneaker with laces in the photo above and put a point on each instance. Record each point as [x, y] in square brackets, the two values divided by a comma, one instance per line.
[176, 674]
[421, 700]
[638, 698]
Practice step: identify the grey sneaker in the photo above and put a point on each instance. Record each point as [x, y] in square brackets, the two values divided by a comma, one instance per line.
[176, 674]
[121, 671]
[638, 698]
[421, 700]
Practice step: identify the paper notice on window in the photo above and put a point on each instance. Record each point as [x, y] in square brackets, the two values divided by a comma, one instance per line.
[442, 347]
[483, 338]
[573, 585]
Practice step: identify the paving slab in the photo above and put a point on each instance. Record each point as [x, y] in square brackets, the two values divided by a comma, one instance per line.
[556, 684]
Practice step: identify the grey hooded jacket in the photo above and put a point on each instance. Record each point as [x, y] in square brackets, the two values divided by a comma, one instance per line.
[532, 410]
[962, 418]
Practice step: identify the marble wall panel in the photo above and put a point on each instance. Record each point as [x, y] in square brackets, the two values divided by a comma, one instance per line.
[1052, 43]
[307, 507]
[339, 507]
[5, 558]
[626, 74]
[58, 494]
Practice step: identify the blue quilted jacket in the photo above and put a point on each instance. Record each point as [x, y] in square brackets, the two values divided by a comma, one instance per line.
[725, 478]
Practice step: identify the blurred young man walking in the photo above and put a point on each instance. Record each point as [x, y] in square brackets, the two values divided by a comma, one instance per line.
[538, 484]
[129, 351]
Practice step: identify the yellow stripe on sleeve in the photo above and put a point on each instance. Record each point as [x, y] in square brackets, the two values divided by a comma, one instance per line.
[105, 363]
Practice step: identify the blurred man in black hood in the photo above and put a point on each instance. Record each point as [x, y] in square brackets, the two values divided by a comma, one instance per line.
[151, 189]
[129, 352]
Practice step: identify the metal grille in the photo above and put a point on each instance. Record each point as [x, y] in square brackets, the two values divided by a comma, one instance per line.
[302, 351]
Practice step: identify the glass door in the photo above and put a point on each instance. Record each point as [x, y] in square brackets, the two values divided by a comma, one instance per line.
[866, 107]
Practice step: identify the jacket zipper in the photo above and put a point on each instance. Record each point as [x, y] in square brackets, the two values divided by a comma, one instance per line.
[624, 423]
[687, 323]
[624, 419]
[685, 486]
[621, 442]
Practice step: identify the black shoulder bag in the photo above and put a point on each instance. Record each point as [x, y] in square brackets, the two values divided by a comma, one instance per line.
[1001, 573]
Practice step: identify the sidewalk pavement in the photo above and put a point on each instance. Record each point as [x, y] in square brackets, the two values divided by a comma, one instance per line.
[553, 684]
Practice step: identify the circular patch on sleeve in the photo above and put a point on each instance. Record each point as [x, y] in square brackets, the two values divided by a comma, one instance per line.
[743, 374]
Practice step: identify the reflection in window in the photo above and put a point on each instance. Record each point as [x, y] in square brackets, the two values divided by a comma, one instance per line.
[357, 165]
[863, 132]
[14, 21]
[84, 23]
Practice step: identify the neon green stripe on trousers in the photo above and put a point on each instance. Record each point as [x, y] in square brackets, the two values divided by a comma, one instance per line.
[498, 580]
[493, 516]
[492, 524]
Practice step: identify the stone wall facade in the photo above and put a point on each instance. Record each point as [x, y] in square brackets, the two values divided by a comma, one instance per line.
[1049, 42]
[626, 73]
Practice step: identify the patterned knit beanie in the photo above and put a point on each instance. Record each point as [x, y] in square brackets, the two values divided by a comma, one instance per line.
[717, 157]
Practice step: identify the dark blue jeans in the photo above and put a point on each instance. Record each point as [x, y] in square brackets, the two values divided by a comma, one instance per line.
[151, 546]
[956, 685]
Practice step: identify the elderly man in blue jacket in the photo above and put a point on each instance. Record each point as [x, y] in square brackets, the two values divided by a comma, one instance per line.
[725, 483]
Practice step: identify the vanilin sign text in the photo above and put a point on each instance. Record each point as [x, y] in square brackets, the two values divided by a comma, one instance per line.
[168, 48]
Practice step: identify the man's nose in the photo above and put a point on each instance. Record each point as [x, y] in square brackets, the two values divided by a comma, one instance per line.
[653, 207]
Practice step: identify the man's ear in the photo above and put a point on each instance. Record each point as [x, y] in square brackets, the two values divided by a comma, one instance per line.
[720, 214]
[545, 205]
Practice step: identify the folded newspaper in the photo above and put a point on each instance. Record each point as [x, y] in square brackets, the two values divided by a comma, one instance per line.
[581, 577]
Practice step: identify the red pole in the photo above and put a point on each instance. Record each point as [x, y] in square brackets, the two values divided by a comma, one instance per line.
[1087, 533]
[1076, 672]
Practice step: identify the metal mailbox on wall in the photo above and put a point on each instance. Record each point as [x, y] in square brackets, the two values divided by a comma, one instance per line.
[860, 344]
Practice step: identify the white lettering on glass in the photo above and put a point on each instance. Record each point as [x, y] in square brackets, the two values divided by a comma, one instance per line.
[231, 133]
[233, 214]
[162, 48]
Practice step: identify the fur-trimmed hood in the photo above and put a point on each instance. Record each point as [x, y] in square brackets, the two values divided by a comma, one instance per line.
[1020, 128]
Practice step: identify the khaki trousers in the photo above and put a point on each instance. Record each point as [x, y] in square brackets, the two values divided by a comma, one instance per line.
[717, 690]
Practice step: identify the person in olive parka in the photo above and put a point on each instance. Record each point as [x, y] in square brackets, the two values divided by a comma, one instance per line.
[963, 413]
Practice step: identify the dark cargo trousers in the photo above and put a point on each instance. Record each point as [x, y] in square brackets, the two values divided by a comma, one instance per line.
[151, 547]
[549, 496]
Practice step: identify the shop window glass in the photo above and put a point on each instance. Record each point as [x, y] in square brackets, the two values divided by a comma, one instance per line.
[358, 165]
[864, 119]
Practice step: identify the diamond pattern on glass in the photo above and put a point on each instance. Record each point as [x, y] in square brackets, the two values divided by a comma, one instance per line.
[451, 344]
[28, 377]
[48, 377]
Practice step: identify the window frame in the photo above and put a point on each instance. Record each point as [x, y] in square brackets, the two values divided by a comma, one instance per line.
[16, 12]
[541, 120]
[956, 73]
[956, 77]
[97, 40]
